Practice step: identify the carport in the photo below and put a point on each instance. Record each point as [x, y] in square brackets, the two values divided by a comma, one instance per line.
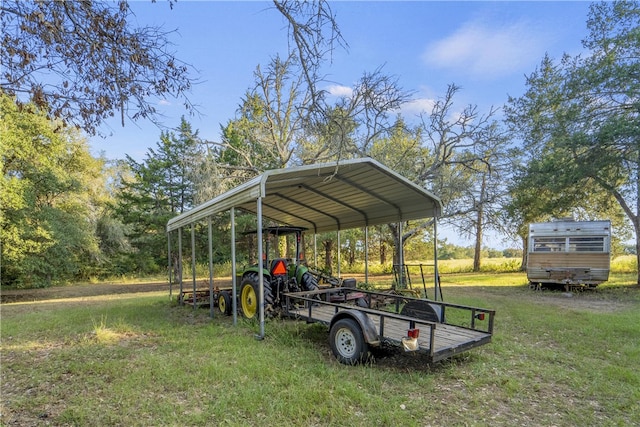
[323, 197]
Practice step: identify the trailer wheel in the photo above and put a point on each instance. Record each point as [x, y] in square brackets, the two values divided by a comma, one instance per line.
[249, 291]
[347, 342]
[224, 303]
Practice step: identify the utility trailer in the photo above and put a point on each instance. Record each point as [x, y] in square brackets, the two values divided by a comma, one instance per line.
[361, 319]
[570, 253]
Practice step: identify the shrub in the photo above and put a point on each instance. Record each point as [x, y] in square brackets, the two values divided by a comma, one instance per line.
[624, 264]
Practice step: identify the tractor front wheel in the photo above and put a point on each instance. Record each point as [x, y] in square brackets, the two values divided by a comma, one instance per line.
[249, 291]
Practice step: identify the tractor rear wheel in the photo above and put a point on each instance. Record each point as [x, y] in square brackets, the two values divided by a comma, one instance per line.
[249, 291]
[309, 282]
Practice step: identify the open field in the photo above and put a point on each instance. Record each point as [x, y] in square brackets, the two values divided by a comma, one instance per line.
[136, 358]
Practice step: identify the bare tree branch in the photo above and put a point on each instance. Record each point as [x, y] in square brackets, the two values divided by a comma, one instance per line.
[83, 61]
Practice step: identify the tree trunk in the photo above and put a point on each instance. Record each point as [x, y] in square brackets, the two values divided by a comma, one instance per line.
[525, 253]
[636, 220]
[251, 247]
[638, 259]
[328, 255]
[477, 253]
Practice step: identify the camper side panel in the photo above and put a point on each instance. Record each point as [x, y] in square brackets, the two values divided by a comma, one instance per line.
[585, 268]
[569, 252]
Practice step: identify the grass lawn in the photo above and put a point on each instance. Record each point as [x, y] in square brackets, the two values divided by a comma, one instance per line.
[141, 360]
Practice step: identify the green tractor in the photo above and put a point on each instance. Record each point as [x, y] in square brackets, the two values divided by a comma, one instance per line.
[280, 275]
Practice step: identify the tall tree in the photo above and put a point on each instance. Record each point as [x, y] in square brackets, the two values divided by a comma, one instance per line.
[271, 113]
[350, 126]
[47, 198]
[448, 152]
[157, 189]
[322, 141]
[488, 170]
[270, 117]
[581, 117]
[314, 31]
[85, 61]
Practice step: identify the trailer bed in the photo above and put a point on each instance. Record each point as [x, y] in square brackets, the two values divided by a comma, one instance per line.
[437, 340]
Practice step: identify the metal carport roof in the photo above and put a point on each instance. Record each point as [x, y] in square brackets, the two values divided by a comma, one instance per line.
[325, 197]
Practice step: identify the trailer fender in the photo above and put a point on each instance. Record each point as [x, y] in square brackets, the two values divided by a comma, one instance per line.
[423, 310]
[367, 326]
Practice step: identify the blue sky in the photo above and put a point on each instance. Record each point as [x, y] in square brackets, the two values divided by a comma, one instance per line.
[486, 48]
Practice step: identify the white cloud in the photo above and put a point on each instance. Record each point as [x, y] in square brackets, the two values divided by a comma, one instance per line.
[164, 102]
[417, 106]
[486, 52]
[340, 91]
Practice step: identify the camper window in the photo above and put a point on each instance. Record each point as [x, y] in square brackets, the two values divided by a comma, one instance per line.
[586, 244]
[549, 244]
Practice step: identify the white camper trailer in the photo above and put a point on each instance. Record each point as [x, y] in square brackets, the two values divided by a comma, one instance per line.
[568, 252]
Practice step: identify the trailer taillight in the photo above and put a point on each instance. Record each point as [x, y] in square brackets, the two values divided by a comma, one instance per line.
[410, 342]
[480, 316]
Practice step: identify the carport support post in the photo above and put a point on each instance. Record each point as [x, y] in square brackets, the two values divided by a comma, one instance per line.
[260, 267]
[315, 250]
[180, 260]
[338, 254]
[436, 279]
[234, 290]
[210, 267]
[193, 262]
[366, 254]
[169, 261]
[400, 257]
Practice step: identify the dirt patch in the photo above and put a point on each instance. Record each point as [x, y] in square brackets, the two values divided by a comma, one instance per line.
[582, 301]
[75, 291]
[100, 289]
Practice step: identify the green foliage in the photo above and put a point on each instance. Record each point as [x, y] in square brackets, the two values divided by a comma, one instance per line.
[157, 189]
[84, 62]
[49, 199]
[512, 253]
[580, 123]
[624, 264]
[451, 251]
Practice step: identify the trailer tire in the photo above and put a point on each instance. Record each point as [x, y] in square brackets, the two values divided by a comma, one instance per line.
[347, 342]
[224, 303]
[249, 291]
[363, 302]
